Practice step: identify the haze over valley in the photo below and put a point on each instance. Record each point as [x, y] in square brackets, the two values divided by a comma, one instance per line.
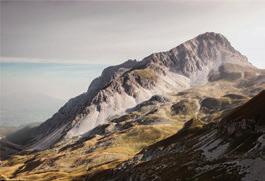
[32, 92]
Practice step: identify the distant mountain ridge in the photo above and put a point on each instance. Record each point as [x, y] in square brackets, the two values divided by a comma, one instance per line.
[207, 57]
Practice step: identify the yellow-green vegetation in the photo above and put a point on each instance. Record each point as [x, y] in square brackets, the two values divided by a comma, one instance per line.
[137, 138]
[70, 163]
[147, 125]
[146, 74]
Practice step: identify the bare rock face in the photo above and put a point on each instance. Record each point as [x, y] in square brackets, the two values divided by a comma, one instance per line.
[198, 57]
[109, 74]
[154, 100]
[123, 86]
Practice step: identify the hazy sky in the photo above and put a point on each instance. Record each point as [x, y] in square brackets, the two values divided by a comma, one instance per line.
[112, 32]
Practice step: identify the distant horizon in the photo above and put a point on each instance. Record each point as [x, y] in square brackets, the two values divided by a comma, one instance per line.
[78, 62]
[33, 92]
[46, 61]
[53, 61]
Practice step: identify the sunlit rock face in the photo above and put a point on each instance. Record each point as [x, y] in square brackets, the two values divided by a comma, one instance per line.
[207, 57]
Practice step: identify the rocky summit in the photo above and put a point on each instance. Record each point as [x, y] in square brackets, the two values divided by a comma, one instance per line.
[183, 114]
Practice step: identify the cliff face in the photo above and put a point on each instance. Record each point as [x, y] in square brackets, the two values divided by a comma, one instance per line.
[207, 57]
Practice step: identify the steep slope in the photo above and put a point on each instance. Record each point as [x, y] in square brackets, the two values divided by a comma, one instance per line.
[7, 148]
[230, 150]
[207, 57]
[118, 140]
[249, 117]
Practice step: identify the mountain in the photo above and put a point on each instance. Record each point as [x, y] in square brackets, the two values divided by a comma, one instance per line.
[207, 57]
[8, 148]
[157, 127]
[232, 149]
[173, 115]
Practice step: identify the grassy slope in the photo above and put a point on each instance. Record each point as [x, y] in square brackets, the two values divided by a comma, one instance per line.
[107, 151]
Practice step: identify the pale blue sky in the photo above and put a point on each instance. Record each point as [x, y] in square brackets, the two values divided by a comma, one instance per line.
[112, 32]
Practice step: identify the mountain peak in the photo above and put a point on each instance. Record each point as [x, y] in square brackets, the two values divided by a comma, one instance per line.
[198, 57]
[210, 35]
[123, 86]
[216, 38]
